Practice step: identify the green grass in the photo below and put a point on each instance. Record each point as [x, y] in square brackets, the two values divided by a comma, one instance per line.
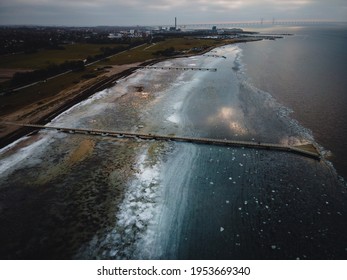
[145, 52]
[43, 58]
[185, 43]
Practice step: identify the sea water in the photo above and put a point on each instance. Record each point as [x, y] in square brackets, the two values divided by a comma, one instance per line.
[306, 73]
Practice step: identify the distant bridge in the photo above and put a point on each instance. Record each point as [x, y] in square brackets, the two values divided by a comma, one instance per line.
[257, 23]
[308, 150]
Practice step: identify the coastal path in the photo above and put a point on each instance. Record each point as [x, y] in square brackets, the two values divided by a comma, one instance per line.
[308, 150]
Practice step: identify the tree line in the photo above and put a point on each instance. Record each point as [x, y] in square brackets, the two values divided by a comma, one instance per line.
[167, 52]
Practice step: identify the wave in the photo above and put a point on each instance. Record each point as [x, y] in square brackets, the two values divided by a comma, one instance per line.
[302, 134]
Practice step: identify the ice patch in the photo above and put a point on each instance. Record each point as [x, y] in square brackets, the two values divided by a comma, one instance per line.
[94, 105]
[177, 105]
[135, 212]
[174, 118]
[164, 232]
[22, 154]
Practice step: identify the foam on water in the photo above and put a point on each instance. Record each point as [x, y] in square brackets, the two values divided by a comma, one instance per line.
[162, 237]
[283, 112]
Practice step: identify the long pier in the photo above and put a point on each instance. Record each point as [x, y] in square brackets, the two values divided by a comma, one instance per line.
[179, 68]
[215, 55]
[304, 150]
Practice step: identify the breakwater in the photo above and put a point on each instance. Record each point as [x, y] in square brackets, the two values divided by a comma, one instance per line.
[308, 150]
[179, 68]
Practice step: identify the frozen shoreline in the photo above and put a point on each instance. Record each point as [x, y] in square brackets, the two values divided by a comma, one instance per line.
[249, 170]
[178, 200]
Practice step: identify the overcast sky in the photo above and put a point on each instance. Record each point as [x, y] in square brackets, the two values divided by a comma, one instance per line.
[162, 12]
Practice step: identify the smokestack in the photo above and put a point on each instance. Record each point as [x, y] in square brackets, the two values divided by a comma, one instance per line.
[175, 23]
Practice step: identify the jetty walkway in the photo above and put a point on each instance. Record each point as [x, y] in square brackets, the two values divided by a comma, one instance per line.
[215, 55]
[178, 68]
[308, 150]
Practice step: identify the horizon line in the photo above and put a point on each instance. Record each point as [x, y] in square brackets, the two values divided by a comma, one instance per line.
[245, 22]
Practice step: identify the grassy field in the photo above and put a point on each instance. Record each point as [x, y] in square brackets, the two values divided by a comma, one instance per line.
[145, 52]
[43, 58]
[15, 101]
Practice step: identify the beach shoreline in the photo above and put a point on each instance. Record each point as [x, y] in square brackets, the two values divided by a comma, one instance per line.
[46, 110]
[135, 199]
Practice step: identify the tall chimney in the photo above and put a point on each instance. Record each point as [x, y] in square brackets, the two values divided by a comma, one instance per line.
[175, 23]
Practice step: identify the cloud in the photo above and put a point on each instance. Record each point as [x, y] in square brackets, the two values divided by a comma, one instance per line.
[152, 12]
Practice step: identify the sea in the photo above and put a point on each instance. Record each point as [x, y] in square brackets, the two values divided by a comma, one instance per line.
[305, 72]
[71, 196]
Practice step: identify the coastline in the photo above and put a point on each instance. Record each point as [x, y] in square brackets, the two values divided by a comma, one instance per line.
[55, 107]
[67, 98]
[142, 200]
[69, 210]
